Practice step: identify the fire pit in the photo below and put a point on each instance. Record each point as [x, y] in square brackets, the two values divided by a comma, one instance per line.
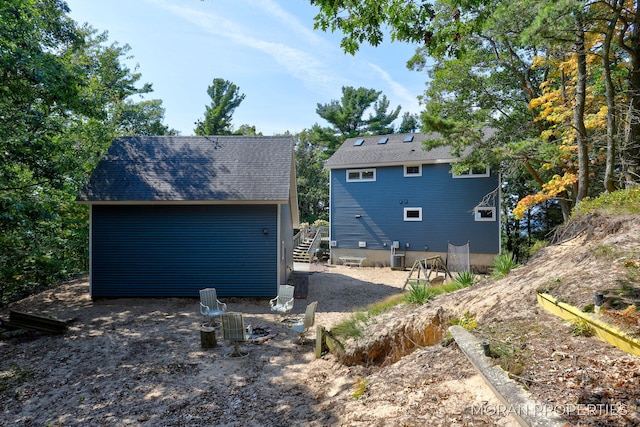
[260, 334]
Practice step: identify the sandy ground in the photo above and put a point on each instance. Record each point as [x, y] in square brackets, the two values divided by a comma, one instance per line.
[140, 362]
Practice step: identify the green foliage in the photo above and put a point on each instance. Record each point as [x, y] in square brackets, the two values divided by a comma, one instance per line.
[613, 203]
[353, 327]
[225, 98]
[464, 279]
[502, 264]
[536, 246]
[467, 321]
[581, 328]
[70, 95]
[419, 293]
[312, 179]
[347, 115]
[359, 387]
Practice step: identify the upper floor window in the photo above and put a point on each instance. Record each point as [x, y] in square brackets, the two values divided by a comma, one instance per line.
[475, 172]
[360, 175]
[413, 170]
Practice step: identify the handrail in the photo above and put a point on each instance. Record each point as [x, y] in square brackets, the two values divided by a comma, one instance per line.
[299, 237]
[321, 232]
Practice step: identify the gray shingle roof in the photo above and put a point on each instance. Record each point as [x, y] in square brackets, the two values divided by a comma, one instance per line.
[394, 152]
[211, 168]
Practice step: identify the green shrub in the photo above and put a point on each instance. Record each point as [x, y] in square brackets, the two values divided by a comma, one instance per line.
[419, 293]
[616, 202]
[464, 279]
[502, 264]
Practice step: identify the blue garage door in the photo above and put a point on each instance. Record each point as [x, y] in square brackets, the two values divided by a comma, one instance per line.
[177, 250]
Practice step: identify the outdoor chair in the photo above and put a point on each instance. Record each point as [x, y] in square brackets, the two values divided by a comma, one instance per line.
[458, 257]
[210, 307]
[307, 322]
[283, 303]
[234, 331]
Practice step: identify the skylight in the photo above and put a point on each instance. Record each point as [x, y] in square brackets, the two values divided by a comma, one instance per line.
[408, 138]
[358, 142]
[383, 140]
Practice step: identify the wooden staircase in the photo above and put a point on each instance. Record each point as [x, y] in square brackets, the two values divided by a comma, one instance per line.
[301, 252]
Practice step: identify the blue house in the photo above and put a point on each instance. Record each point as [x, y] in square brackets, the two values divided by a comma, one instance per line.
[172, 215]
[388, 195]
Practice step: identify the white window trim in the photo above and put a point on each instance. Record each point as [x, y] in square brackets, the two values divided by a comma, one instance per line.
[419, 218]
[360, 172]
[478, 217]
[406, 174]
[470, 174]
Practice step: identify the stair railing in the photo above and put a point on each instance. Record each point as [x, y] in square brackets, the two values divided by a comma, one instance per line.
[321, 232]
[300, 236]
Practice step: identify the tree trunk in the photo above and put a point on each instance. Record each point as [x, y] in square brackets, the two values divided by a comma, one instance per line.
[578, 113]
[609, 181]
[631, 149]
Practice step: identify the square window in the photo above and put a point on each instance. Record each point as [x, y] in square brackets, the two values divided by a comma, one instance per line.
[483, 213]
[367, 175]
[413, 170]
[413, 214]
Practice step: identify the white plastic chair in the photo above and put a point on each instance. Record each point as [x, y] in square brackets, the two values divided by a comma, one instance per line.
[234, 331]
[210, 307]
[283, 303]
[308, 321]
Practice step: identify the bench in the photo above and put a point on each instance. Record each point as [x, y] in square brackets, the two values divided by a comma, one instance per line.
[352, 260]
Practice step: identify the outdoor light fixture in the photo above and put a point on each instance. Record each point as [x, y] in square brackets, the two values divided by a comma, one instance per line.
[265, 231]
[358, 216]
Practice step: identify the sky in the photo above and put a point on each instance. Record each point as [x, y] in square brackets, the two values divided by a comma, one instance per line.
[268, 48]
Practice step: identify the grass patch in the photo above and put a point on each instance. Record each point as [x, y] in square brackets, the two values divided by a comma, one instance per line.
[615, 203]
[467, 321]
[581, 328]
[354, 326]
[418, 294]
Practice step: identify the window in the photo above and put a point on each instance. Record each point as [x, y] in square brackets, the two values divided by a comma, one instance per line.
[475, 172]
[413, 170]
[358, 142]
[484, 213]
[360, 175]
[383, 140]
[408, 138]
[413, 214]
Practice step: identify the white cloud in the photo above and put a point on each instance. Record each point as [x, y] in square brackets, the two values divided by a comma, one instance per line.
[408, 100]
[298, 63]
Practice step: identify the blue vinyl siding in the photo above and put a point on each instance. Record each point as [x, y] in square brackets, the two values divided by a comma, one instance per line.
[177, 250]
[447, 210]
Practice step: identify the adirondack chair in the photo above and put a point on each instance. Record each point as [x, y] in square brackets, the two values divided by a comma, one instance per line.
[307, 322]
[283, 303]
[210, 307]
[234, 331]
